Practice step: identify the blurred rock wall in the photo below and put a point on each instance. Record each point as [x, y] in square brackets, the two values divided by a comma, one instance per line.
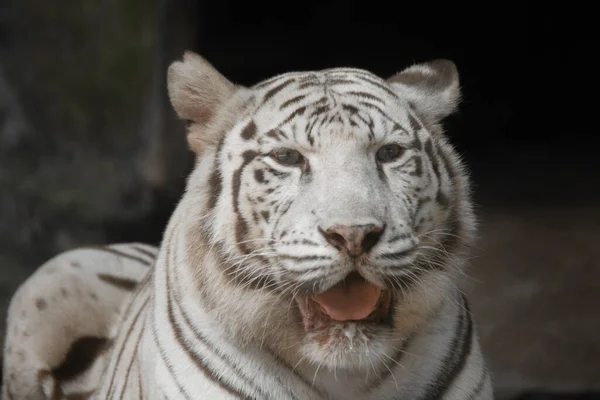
[89, 147]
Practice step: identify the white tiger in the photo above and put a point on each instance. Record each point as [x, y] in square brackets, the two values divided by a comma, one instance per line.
[314, 255]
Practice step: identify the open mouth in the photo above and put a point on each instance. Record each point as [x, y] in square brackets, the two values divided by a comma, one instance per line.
[353, 299]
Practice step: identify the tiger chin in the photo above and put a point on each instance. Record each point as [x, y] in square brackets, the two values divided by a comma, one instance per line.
[315, 254]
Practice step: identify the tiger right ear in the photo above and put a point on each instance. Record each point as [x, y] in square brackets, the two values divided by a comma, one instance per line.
[197, 92]
[432, 87]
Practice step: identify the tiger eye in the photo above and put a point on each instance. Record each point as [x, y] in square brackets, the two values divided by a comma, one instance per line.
[287, 156]
[389, 153]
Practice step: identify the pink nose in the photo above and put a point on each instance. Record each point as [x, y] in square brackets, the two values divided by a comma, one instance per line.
[355, 239]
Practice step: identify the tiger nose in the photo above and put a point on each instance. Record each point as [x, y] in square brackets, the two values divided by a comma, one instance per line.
[355, 239]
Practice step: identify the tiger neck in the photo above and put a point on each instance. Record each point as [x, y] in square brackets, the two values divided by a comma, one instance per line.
[206, 308]
[205, 317]
[198, 283]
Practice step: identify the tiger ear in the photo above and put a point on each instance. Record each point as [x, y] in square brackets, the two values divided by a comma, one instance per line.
[198, 92]
[432, 87]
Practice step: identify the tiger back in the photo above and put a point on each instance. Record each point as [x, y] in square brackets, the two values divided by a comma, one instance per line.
[62, 320]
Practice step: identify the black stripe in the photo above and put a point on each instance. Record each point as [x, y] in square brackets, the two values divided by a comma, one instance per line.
[291, 101]
[133, 358]
[296, 241]
[441, 198]
[241, 226]
[135, 300]
[224, 358]
[274, 134]
[249, 130]
[418, 166]
[356, 73]
[310, 124]
[302, 258]
[179, 336]
[376, 108]
[271, 81]
[283, 209]
[307, 77]
[298, 111]
[350, 108]
[215, 181]
[309, 83]
[203, 365]
[399, 255]
[433, 159]
[125, 317]
[79, 358]
[143, 284]
[126, 345]
[117, 281]
[306, 271]
[416, 142]
[319, 110]
[161, 351]
[165, 359]
[438, 163]
[331, 80]
[381, 172]
[144, 251]
[366, 95]
[119, 253]
[377, 84]
[277, 89]
[418, 170]
[79, 395]
[456, 357]
[139, 369]
[480, 385]
[414, 123]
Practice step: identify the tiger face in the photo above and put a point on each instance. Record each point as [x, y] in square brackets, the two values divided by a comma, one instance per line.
[334, 191]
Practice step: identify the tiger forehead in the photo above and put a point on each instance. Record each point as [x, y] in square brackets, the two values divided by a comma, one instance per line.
[331, 81]
[318, 107]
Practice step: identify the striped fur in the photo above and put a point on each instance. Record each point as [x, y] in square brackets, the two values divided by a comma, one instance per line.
[216, 318]
[63, 319]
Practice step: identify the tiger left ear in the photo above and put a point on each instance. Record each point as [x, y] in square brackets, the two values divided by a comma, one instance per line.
[432, 87]
[198, 93]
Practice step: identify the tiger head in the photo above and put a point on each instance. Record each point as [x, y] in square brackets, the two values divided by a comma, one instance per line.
[333, 211]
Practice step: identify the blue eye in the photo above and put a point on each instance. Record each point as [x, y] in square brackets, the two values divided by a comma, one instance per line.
[389, 153]
[286, 156]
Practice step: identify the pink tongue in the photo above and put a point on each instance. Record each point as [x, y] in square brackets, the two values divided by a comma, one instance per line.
[353, 299]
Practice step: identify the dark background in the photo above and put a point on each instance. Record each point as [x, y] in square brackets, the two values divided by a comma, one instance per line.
[526, 72]
[91, 151]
